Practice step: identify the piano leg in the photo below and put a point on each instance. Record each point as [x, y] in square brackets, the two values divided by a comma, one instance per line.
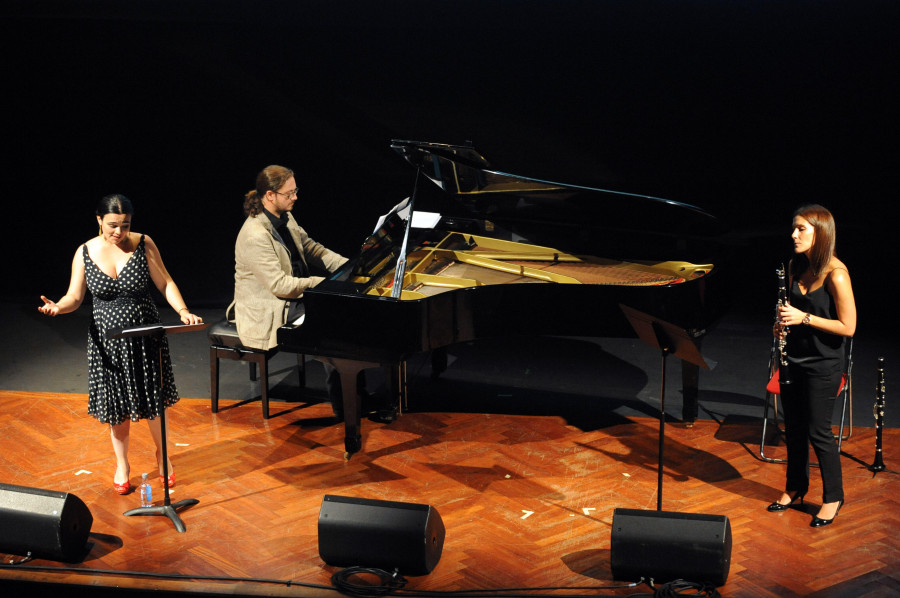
[690, 375]
[690, 389]
[348, 370]
[395, 376]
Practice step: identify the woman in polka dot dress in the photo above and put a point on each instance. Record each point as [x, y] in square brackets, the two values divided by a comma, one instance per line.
[118, 267]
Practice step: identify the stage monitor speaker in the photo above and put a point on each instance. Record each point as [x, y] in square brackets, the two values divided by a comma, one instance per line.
[667, 546]
[361, 532]
[48, 524]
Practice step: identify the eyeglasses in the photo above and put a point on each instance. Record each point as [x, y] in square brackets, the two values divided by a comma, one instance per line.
[289, 194]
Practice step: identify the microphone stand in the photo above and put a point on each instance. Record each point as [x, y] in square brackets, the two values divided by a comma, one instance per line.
[158, 331]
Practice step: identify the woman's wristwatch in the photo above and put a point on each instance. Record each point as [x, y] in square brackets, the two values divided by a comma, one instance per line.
[806, 319]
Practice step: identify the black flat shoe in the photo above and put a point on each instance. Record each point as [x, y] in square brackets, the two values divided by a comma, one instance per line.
[817, 522]
[777, 506]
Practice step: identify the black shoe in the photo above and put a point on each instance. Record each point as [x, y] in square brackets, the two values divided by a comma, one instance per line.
[383, 415]
[777, 506]
[817, 522]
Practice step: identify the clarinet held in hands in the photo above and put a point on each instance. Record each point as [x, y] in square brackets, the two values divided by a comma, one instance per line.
[784, 375]
[879, 416]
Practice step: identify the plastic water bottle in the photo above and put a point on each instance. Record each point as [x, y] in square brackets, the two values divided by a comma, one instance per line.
[146, 492]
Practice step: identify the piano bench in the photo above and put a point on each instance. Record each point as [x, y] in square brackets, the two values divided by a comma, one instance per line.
[224, 343]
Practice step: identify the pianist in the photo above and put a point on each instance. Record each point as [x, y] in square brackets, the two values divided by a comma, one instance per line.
[272, 260]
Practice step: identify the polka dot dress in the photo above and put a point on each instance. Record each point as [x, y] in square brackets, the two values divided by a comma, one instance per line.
[124, 374]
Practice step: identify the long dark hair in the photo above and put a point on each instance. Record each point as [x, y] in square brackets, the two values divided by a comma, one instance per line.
[270, 178]
[823, 243]
[115, 204]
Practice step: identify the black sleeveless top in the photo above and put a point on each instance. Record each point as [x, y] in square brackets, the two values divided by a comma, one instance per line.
[809, 347]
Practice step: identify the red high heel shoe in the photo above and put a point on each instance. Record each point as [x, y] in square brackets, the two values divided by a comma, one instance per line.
[162, 480]
[122, 488]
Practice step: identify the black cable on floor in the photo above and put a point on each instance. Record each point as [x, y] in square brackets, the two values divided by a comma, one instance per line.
[388, 581]
[680, 587]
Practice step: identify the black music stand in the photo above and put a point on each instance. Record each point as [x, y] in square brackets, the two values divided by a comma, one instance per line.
[158, 331]
[670, 340]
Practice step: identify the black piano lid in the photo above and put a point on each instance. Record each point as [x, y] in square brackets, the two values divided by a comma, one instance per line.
[540, 210]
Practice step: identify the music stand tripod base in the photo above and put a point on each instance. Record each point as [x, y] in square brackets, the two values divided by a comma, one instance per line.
[169, 510]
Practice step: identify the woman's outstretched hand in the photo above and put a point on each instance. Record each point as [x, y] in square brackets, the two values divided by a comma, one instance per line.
[49, 307]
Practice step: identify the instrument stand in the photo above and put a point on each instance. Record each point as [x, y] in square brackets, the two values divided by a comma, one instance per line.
[878, 464]
[670, 340]
[878, 468]
[168, 509]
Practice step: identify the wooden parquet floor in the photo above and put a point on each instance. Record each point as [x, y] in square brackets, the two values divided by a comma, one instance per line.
[527, 501]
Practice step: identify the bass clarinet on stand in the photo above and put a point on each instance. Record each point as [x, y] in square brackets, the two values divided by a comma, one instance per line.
[879, 416]
[784, 375]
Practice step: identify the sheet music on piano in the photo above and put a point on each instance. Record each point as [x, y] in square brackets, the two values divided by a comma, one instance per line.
[420, 219]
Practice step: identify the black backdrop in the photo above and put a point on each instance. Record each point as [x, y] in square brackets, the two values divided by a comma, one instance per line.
[745, 108]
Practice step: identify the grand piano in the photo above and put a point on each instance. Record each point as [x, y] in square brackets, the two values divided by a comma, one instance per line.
[503, 255]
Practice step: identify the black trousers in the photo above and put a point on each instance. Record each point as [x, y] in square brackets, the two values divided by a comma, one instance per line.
[808, 406]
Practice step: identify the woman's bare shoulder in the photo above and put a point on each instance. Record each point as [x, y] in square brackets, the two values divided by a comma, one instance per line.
[148, 242]
[837, 272]
[837, 267]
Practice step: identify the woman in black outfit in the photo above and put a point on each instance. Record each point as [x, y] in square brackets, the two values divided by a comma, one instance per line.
[818, 319]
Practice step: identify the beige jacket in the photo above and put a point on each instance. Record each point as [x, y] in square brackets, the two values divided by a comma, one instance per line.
[263, 281]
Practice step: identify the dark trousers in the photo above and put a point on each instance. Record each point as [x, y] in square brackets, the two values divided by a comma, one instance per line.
[808, 406]
[293, 310]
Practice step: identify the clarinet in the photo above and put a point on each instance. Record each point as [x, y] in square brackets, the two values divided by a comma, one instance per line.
[784, 374]
[879, 415]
